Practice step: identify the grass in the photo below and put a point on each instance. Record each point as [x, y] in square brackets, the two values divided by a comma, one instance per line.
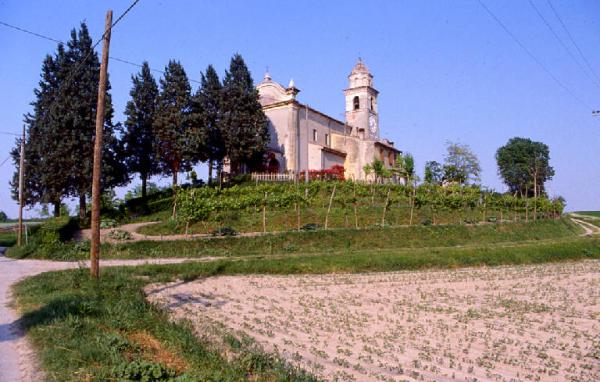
[8, 239]
[88, 330]
[595, 214]
[286, 220]
[323, 241]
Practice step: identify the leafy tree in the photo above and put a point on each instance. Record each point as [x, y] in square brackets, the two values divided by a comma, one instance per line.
[45, 148]
[77, 105]
[244, 125]
[461, 164]
[3, 216]
[172, 123]
[404, 167]
[524, 166]
[434, 173]
[140, 145]
[207, 112]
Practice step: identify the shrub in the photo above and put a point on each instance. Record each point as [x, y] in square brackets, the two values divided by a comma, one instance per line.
[310, 227]
[118, 234]
[48, 240]
[143, 371]
[224, 231]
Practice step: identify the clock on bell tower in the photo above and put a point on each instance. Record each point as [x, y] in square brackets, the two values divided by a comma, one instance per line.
[361, 101]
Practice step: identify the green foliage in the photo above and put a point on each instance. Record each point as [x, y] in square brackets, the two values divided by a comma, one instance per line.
[119, 235]
[243, 125]
[461, 165]
[60, 130]
[172, 125]
[141, 370]
[139, 144]
[207, 112]
[49, 239]
[206, 204]
[224, 231]
[523, 163]
[434, 174]
[3, 217]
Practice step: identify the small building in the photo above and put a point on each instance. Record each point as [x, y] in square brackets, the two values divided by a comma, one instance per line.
[303, 138]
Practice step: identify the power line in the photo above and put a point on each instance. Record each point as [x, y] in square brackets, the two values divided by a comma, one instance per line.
[8, 133]
[30, 32]
[563, 44]
[573, 41]
[113, 58]
[4, 161]
[78, 65]
[532, 56]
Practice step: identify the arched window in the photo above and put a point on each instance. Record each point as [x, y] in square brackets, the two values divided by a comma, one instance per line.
[372, 104]
[356, 103]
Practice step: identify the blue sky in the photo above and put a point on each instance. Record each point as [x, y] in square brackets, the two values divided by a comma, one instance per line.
[446, 71]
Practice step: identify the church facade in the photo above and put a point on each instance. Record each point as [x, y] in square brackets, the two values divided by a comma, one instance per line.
[303, 138]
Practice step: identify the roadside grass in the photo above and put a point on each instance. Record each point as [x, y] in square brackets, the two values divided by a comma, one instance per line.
[322, 241]
[87, 330]
[102, 330]
[8, 239]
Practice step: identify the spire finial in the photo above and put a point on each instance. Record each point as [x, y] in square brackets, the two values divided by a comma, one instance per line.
[292, 84]
[267, 76]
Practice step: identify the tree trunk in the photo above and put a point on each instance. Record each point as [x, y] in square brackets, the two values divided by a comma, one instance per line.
[144, 181]
[82, 211]
[56, 211]
[210, 171]
[174, 178]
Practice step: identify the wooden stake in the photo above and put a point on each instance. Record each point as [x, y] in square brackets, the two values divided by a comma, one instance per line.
[387, 200]
[21, 172]
[95, 245]
[265, 214]
[329, 208]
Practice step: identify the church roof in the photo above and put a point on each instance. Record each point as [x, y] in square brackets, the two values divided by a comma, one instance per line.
[360, 67]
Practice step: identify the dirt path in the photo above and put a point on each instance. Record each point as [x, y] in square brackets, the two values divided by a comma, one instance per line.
[589, 228]
[17, 360]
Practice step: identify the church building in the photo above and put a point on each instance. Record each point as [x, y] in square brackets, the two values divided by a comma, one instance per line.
[303, 138]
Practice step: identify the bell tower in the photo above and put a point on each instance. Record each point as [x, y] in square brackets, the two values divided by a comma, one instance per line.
[361, 101]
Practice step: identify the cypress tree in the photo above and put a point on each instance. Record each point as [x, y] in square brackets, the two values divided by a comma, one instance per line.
[172, 123]
[139, 143]
[78, 102]
[244, 125]
[206, 107]
[45, 178]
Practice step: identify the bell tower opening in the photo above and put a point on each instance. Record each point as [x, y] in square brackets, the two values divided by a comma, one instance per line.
[356, 103]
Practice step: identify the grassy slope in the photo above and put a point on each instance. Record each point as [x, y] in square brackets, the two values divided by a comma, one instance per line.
[84, 329]
[348, 240]
[7, 239]
[286, 220]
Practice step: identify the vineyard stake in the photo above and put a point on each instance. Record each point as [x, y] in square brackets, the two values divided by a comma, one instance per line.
[329, 208]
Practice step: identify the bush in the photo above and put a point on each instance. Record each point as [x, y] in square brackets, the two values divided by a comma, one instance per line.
[426, 222]
[120, 235]
[48, 240]
[224, 231]
[310, 227]
[143, 371]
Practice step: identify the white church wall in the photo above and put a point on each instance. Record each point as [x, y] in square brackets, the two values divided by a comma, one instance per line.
[330, 160]
[315, 160]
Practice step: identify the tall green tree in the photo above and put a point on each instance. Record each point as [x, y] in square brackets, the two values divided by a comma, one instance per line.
[524, 166]
[139, 143]
[434, 172]
[461, 165]
[173, 121]
[77, 102]
[44, 145]
[208, 111]
[61, 128]
[244, 125]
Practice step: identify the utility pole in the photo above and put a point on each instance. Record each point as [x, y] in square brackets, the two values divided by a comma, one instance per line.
[95, 247]
[21, 171]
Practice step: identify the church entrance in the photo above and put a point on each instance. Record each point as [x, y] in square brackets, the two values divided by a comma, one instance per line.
[273, 166]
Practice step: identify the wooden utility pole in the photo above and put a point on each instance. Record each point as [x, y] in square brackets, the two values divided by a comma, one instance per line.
[95, 247]
[21, 172]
